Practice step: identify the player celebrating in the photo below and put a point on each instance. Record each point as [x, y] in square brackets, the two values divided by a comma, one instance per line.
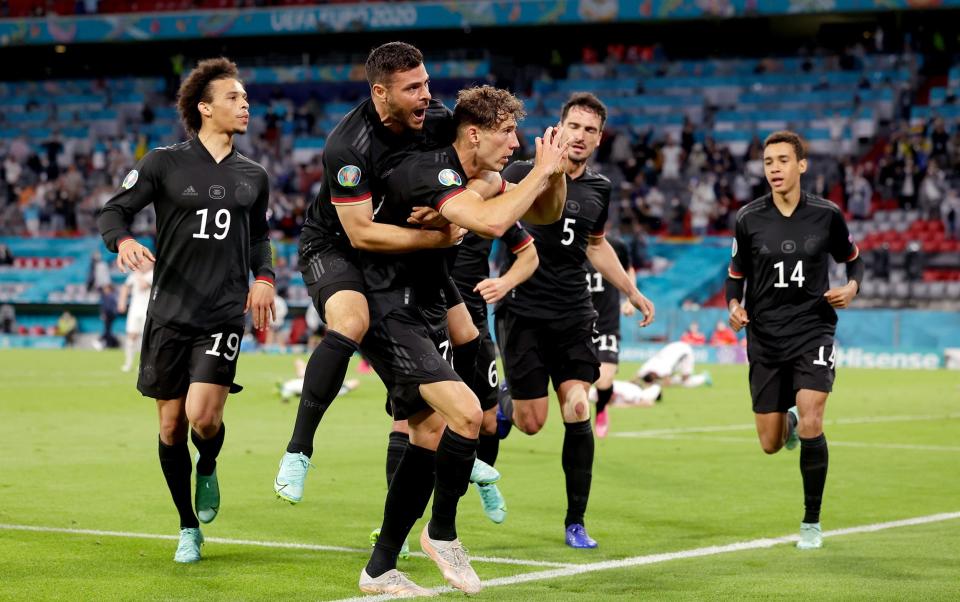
[545, 325]
[211, 205]
[782, 245]
[399, 114]
[134, 299]
[407, 345]
[606, 300]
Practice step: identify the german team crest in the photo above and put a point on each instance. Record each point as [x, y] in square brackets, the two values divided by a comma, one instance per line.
[348, 176]
[449, 177]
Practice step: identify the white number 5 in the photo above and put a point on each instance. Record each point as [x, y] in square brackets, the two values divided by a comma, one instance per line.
[568, 229]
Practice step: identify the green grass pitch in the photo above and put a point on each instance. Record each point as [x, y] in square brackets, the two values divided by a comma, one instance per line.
[79, 445]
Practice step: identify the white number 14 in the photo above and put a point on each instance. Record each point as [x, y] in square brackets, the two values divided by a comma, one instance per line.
[796, 276]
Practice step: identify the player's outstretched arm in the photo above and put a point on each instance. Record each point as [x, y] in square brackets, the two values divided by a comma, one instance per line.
[113, 221]
[494, 289]
[605, 260]
[368, 235]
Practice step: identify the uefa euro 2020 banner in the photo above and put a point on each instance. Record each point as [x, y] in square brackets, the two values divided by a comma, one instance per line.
[382, 16]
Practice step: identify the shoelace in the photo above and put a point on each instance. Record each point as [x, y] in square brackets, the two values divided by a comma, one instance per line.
[456, 555]
[300, 466]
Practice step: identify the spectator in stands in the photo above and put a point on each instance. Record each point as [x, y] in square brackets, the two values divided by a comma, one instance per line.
[67, 328]
[653, 208]
[881, 263]
[671, 157]
[8, 319]
[860, 195]
[703, 202]
[6, 255]
[907, 177]
[932, 191]
[723, 335]
[950, 214]
[913, 261]
[693, 336]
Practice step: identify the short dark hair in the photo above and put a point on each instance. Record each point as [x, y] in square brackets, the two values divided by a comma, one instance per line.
[196, 88]
[791, 138]
[588, 101]
[390, 58]
[487, 107]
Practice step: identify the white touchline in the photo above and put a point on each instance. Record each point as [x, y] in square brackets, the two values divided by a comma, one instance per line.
[833, 443]
[267, 544]
[755, 544]
[751, 426]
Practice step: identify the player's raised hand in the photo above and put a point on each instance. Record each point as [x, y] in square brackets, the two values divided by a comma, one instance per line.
[551, 150]
[647, 310]
[260, 299]
[492, 289]
[427, 217]
[841, 296]
[738, 317]
[131, 255]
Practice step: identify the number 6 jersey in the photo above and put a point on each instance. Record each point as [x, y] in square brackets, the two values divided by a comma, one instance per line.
[211, 231]
[785, 261]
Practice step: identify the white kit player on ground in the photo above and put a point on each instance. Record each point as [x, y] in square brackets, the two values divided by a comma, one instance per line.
[134, 299]
[672, 365]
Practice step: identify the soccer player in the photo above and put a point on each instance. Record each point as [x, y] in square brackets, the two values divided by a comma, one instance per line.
[673, 365]
[545, 326]
[631, 394]
[606, 300]
[134, 299]
[211, 205]
[782, 248]
[407, 343]
[400, 114]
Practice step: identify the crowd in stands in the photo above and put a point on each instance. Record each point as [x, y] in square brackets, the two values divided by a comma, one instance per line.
[33, 8]
[674, 178]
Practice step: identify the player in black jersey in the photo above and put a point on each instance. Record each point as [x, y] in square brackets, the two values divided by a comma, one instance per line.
[782, 248]
[406, 343]
[545, 326]
[606, 300]
[211, 205]
[399, 114]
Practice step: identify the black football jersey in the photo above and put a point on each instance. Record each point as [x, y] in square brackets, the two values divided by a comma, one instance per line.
[556, 290]
[471, 265]
[605, 296]
[359, 150]
[209, 215]
[786, 263]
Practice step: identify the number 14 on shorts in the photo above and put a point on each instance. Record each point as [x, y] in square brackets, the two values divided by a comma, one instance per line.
[832, 359]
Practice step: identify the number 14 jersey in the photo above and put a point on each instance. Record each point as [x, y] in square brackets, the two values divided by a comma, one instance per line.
[786, 263]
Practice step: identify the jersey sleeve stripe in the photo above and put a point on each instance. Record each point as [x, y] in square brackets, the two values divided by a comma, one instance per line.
[734, 274]
[522, 245]
[449, 196]
[599, 234]
[854, 255]
[503, 185]
[351, 200]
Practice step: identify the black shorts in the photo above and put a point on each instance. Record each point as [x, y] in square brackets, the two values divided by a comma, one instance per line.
[535, 350]
[608, 347]
[172, 358]
[774, 386]
[328, 272]
[406, 353]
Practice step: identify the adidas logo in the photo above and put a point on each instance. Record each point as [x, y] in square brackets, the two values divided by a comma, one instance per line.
[189, 191]
[764, 250]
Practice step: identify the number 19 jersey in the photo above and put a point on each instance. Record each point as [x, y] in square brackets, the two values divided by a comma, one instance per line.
[786, 263]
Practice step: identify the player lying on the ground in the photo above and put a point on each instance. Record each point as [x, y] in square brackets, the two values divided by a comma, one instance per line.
[673, 366]
[625, 393]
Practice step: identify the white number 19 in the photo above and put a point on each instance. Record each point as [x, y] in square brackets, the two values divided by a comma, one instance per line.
[221, 219]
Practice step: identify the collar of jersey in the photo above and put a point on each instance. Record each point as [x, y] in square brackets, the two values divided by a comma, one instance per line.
[201, 150]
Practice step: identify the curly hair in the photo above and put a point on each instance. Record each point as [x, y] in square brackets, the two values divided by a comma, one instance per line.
[588, 102]
[196, 89]
[791, 138]
[487, 107]
[392, 57]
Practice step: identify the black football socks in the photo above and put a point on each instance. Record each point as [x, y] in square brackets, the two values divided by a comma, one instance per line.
[322, 380]
[396, 445]
[489, 448]
[813, 467]
[603, 398]
[209, 450]
[577, 461]
[410, 490]
[455, 457]
[176, 466]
